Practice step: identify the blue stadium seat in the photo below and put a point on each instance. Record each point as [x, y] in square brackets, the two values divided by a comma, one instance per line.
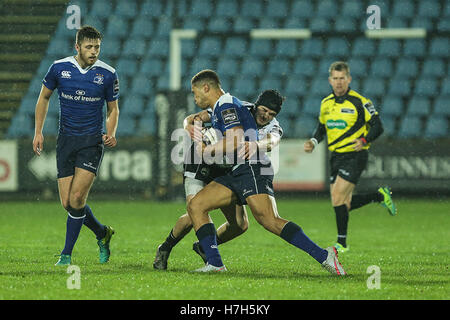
[296, 86]
[279, 67]
[382, 67]
[261, 48]
[443, 25]
[147, 124]
[337, 48]
[93, 21]
[426, 87]
[407, 68]
[21, 126]
[242, 24]
[228, 66]
[302, 9]
[389, 48]
[445, 87]
[188, 48]
[271, 82]
[363, 47]
[164, 26]
[436, 127]
[304, 126]
[152, 8]
[143, 27]
[111, 48]
[294, 23]
[132, 106]
[374, 87]
[319, 87]
[410, 127]
[244, 88]
[358, 67]
[320, 24]
[253, 66]
[276, 9]
[152, 66]
[28, 105]
[117, 27]
[403, 8]
[210, 47]
[202, 8]
[305, 67]
[392, 106]
[235, 46]
[192, 22]
[158, 47]
[141, 86]
[324, 66]
[440, 106]
[439, 47]
[61, 48]
[286, 48]
[127, 9]
[421, 22]
[400, 87]
[312, 47]
[418, 106]
[429, 9]
[414, 48]
[252, 8]
[345, 24]
[389, 126]
[126, 126]
[326, 9]
[134, 47]
[396, 22]
[200, 63]
[352, 9]
[219, 25]
[127, 67]
[227, 8]
[311, 106]
[102, 9]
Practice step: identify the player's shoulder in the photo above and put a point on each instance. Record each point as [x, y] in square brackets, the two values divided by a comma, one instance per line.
[103, 65]
[358, 96]
[327, 98]
[63, 62]
[227, 99]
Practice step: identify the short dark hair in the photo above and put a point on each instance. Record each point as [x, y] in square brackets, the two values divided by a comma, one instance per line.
[339, 66]
[87, 32]
[271, 99]
[206, 75]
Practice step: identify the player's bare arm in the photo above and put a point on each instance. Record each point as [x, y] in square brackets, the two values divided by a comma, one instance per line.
[232, 141]
[40, 115]
[112, 119]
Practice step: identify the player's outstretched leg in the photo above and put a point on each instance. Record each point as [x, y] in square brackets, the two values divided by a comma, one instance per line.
[331, 264]
[387, 200]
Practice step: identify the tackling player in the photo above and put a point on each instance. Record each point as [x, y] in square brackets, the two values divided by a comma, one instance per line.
[351, 123]
[84, 83]
[248, 183]
[196, 176]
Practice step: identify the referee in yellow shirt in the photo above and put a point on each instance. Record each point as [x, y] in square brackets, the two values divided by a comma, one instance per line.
[350, 122]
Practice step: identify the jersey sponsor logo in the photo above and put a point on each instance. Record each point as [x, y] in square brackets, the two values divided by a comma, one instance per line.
[336, 124]
[116, 86]
[229, 116]
[371, 108]
[80, 92]
[98, 79]
[66, 74]
[348, 110]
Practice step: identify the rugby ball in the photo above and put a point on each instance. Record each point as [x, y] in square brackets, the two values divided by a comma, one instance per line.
[209, 135]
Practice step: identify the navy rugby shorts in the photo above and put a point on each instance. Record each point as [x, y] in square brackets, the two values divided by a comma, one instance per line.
[247, 180]
[85, 152]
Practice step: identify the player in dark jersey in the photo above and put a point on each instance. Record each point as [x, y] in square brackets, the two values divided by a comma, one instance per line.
[249, 182]
[84, 83]
[198, 174]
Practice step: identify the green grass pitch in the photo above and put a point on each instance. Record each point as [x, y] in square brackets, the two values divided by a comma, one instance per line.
[411, 251]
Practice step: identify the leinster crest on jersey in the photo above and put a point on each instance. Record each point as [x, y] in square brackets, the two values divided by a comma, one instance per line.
[98, 79]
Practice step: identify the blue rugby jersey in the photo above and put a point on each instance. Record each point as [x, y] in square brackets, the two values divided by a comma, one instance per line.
[82, 94]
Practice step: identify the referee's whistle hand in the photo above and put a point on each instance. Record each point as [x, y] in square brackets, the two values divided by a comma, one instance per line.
[308, 146]
[358, 144]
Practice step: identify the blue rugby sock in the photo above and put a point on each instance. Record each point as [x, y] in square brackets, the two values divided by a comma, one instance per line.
[92, 223]
[293, 234]
[73, 227]
[206, 235]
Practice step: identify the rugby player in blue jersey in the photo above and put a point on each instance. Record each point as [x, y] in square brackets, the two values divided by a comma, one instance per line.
[84, 83]
[197, 174]
[248, 183]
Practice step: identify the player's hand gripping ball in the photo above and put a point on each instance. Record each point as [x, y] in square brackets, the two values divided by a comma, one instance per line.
[209, 136]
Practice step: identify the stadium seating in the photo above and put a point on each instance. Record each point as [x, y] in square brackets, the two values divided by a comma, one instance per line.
[407, 79]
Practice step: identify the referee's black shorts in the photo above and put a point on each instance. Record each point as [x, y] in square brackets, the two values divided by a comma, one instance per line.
[349, 165]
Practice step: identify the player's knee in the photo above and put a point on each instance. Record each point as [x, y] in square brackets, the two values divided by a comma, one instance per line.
[337, 199]
[77, 200]
[194, 207]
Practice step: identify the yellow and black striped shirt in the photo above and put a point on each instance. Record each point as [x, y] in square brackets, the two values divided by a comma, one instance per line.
[345, 119]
